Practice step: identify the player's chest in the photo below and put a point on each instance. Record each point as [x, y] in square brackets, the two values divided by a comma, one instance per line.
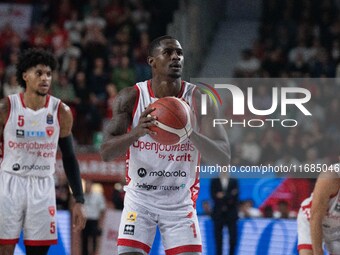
[30, 124]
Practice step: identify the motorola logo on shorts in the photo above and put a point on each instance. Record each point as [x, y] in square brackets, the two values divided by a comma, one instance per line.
[16, 167]
[141, 172]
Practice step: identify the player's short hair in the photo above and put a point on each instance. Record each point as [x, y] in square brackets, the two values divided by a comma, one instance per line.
[157, 42]
[33, 57]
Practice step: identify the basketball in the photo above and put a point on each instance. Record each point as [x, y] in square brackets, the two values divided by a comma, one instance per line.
[173, 123]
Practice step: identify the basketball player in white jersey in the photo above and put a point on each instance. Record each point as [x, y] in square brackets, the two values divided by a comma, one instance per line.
[32, 124]
[319, 216]
[162, 185]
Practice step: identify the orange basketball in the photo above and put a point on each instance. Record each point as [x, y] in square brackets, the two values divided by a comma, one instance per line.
[173, 124]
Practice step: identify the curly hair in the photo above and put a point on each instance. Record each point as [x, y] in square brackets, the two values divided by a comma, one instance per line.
[33, 57]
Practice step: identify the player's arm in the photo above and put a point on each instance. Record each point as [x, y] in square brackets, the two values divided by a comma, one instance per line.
[71, 166]
[4, 108]
[212, 142]
[326, 186]
[116, 138]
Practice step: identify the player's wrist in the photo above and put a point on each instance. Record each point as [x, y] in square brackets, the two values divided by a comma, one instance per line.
[135, 134]
[80, 200]
[318, 251]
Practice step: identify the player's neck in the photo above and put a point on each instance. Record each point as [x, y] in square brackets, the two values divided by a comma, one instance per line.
[165, 88]
[34, 101]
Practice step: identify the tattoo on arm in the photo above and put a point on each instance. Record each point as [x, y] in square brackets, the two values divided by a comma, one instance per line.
[122, 113]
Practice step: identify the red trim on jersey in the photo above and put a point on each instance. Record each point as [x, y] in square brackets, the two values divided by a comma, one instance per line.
[2, 148]
[195, 188]
[40, 242]
[309, 205]
[22, 99]
[9, 241]
[127, 177]
[134, 244]
[304, 209]
[23, 103]
[180, 94]
[47, 101]
[304, 247]
[9, 111]
[150, 89]
[184, 248]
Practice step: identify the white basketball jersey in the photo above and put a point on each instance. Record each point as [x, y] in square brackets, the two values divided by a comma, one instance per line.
[30, 138]
[330, 223]
[161, 177]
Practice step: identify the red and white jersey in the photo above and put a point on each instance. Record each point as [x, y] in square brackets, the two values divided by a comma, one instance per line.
[330, 223]
[30, 138]
[161, 177]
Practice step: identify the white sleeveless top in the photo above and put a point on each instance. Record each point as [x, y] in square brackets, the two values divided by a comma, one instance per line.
[30, 138]
[331, 221]
[160, 177]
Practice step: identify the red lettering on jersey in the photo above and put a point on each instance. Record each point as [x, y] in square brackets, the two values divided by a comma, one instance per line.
[21, 120]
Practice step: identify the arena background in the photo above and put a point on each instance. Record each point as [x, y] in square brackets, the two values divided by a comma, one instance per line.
[101, 47]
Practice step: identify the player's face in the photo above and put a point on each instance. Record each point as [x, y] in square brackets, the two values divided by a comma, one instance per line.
[168, 59]
[38, 79]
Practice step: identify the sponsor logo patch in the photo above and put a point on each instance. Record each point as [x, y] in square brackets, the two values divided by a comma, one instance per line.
[49, 131]
[16, 167]
[49, 119]
[35, 134]
[129, 230]
[141, 172]
[146, 186]
[20, 133]
[131, 216]
[51, 210]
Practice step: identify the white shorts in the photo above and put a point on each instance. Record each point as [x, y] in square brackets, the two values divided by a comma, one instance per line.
[138, 228]
[303, 228]
[28, 204]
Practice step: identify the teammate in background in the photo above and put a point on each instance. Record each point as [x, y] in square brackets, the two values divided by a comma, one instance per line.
[151, 200]
[318, 217]
[32, 124]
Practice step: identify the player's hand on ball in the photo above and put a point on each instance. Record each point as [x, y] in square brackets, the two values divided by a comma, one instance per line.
[146, 120]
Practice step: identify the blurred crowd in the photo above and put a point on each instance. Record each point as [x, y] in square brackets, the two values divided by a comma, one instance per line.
[296, 39]
[101, 46]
